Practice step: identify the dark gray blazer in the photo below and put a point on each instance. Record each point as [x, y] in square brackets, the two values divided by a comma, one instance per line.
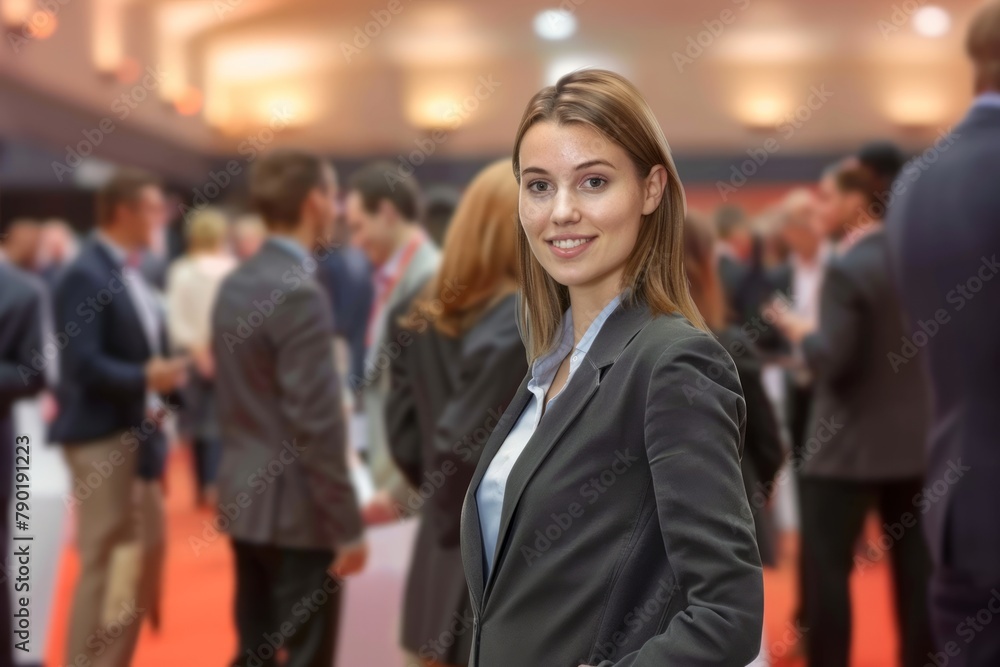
[446, 395]
[280, 413]
[869, 416]
[944, 231]
[626, 537]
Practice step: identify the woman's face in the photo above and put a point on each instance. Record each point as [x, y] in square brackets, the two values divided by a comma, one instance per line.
[581, 203]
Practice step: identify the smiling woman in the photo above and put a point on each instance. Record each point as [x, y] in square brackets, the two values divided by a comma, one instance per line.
[607, 522]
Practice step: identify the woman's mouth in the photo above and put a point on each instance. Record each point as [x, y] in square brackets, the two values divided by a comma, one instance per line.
[567, 248]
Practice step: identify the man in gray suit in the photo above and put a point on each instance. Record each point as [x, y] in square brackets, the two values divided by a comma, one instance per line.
[284, 488]
[944, 239]
[382, 210]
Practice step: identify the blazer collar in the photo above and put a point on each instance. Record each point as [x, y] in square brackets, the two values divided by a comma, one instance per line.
[620, 328]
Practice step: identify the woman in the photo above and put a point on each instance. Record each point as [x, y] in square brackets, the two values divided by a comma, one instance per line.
[192, 283]
[607, 521]
[460, 363]
[867, 429]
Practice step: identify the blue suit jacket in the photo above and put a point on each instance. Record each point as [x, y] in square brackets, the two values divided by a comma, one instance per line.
[944, 234]
[102, 384]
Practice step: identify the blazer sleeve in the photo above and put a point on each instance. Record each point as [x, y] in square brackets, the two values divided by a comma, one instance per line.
[693, 426]
[832, 351]
[85, 359]
[489, 377]
[763, 449]
[403, 431]
[27, 320]
[310, 400]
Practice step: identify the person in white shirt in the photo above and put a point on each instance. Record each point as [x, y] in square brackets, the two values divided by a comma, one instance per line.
[193, 282]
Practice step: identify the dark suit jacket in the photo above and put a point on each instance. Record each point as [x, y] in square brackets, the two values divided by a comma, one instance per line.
[944, 231]
[445, 397]
[347, 276]
[869, 417]
[280, 412]
[625, 535]
[20, 339]
[102, 379]
[763, 453]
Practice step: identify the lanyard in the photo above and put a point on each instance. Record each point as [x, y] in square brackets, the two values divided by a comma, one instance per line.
[404, 260]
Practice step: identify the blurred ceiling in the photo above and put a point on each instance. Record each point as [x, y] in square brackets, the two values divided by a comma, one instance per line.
[351, 78]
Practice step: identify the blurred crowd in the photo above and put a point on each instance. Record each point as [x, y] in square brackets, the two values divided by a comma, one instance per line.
[335, 355]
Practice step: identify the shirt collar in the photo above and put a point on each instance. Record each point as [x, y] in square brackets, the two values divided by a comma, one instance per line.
[544, 368]
[290, 245]
[988, 99]
[118, 253]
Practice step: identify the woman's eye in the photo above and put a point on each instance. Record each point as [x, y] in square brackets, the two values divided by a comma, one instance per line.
[539, 186]
[595, 182]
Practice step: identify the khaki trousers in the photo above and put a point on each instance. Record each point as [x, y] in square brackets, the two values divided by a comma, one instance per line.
[120, 538]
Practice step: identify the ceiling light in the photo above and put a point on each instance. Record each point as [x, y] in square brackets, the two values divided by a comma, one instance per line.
[931, 21]
[555, 24]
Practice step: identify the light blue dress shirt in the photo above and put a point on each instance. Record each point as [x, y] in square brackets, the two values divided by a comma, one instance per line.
[489, 495]
[989, 99]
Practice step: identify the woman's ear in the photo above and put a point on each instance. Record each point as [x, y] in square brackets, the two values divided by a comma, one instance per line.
[655, 185]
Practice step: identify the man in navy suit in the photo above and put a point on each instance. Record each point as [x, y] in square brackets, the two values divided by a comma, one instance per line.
[111, 373]
[20, 340]
[944, 231]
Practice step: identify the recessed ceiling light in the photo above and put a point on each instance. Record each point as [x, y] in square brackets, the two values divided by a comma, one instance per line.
[555, 24]
[931, 21]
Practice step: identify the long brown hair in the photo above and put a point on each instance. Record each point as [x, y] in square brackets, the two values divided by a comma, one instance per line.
[478, 264]
[701, 269]
[654, 272]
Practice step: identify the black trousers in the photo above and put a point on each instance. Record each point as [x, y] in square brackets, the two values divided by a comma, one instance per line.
[287, 606]
[833, 513]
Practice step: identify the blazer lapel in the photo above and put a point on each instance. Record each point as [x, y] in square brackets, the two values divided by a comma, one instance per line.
[129, 305]
[615, 334]
[472, 548]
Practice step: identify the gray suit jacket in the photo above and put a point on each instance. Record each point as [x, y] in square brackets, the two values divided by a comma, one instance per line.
[869, 416]
[283, 477]
[375, 383]
[944, 230]
[625, 536]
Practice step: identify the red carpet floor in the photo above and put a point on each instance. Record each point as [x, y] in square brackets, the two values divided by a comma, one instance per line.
[197, 629]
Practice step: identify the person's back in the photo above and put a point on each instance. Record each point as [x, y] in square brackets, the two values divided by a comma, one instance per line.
[944, 231]
[284, 489]
[944, 235]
